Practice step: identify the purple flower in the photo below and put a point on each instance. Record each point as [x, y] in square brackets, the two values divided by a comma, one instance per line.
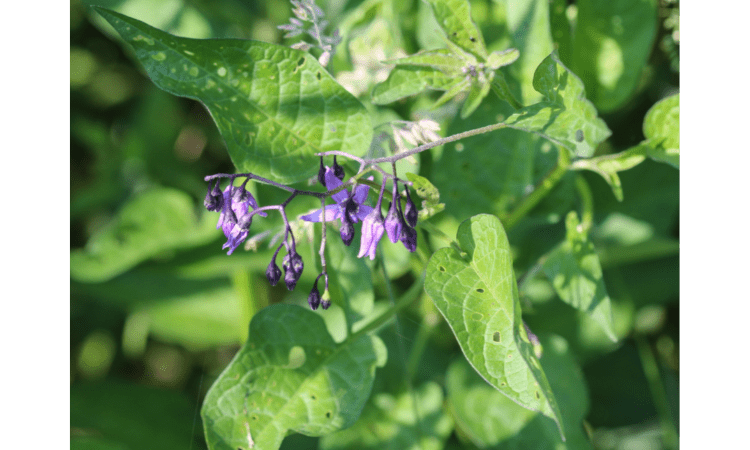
[372, 229]
[410, 211]
[353, 206]
[234, 220]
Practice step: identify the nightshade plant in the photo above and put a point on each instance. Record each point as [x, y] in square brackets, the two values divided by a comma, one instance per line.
[520, 132]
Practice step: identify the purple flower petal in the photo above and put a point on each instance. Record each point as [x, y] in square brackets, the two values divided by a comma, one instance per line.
[360, 193]
[363, 212]
[332, 183]
[333, 212]
[372, 232]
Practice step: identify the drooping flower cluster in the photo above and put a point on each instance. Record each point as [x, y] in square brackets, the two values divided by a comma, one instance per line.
[237, 207]
[350, 209]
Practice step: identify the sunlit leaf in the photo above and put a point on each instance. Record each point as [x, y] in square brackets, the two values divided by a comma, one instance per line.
[150, 223]
[405, 81]
[661, 127]
[439, 59]
[290, 376]
[476, 292]
[350, 280]
[398, 422]
[274, 106]
[454, 16]
[564, 115]
[611, 45]
[575, 272]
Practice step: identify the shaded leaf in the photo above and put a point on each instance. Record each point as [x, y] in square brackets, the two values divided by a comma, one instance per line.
[611, 46]
[428, 193]
[477, 93]
[454, 16]
[476, 292]
[350, 280]
[289, 376]
[134, 415]
[608, 165]
[661, 126]
[573, 268]
[274, 106]
[397, 423]
[150, 223]
[564, 115]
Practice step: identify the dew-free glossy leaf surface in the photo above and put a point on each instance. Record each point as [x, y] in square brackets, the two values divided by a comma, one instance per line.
[575, 272]
[612, 42]
[476, 292]
[274, 106]
[564, 115]
[454, 16]
[290, 376]
[661, 126]
[397, 423]
[151, 222]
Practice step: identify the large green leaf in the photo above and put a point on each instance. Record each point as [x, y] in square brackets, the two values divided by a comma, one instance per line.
[661, 126]
[350, 280]
[489, 420]
[573, 268]
[475, 290]
[274, 106]
[289, 376]
[397, 423]
[612, 42]
[564, 115]
[454, 16]
[150, 223]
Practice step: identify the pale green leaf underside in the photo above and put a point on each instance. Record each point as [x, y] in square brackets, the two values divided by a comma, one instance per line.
[454, 16]
[274, 106]
[477, 294]
[290, 376]
[564, 115]
[397, 423]
[574, 269]
[150, 223]
[661, 126]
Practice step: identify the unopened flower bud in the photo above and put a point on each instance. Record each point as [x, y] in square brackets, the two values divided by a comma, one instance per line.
[245, 221]
[410, 211]
[273, 273]
[293, 267]
[347, 230]
[314, 298]
[409, 238]
[322, 173]
[393, 223]
[338, 171]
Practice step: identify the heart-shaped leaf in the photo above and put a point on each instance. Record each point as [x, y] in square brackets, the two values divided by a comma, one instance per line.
[289, 376]
[475, 290]
[274, 106]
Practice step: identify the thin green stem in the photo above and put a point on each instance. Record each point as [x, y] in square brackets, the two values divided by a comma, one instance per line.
[651, 370]
[540, 191]
[587, 202]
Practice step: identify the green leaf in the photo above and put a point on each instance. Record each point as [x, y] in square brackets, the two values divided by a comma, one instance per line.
[134, 415]
[477, 93]
[608, 165]
[428, 193]
[454, 16]
[575, 272]
[529, 26]
[489, 420]
[476, 292]
[611, 46]
[289, 376]
[499, 59]
[397, 423]
[274, 106]
[439, 59]
[150, 223]
[661, 126]
[350, 281]
[484, 415]
[564, 115]
[405, 81]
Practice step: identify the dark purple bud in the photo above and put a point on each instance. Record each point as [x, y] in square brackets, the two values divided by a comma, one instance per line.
[393, 223]
[322, 173]
[273, 273]
[410, 211]
[239, 194]
[314, 298]
[325, 304]
[338, 171]
[409, 238]
[293, 267]
[214, 199]
[347, 230]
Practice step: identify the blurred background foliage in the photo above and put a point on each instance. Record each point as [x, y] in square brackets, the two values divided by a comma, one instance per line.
[158, 310]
